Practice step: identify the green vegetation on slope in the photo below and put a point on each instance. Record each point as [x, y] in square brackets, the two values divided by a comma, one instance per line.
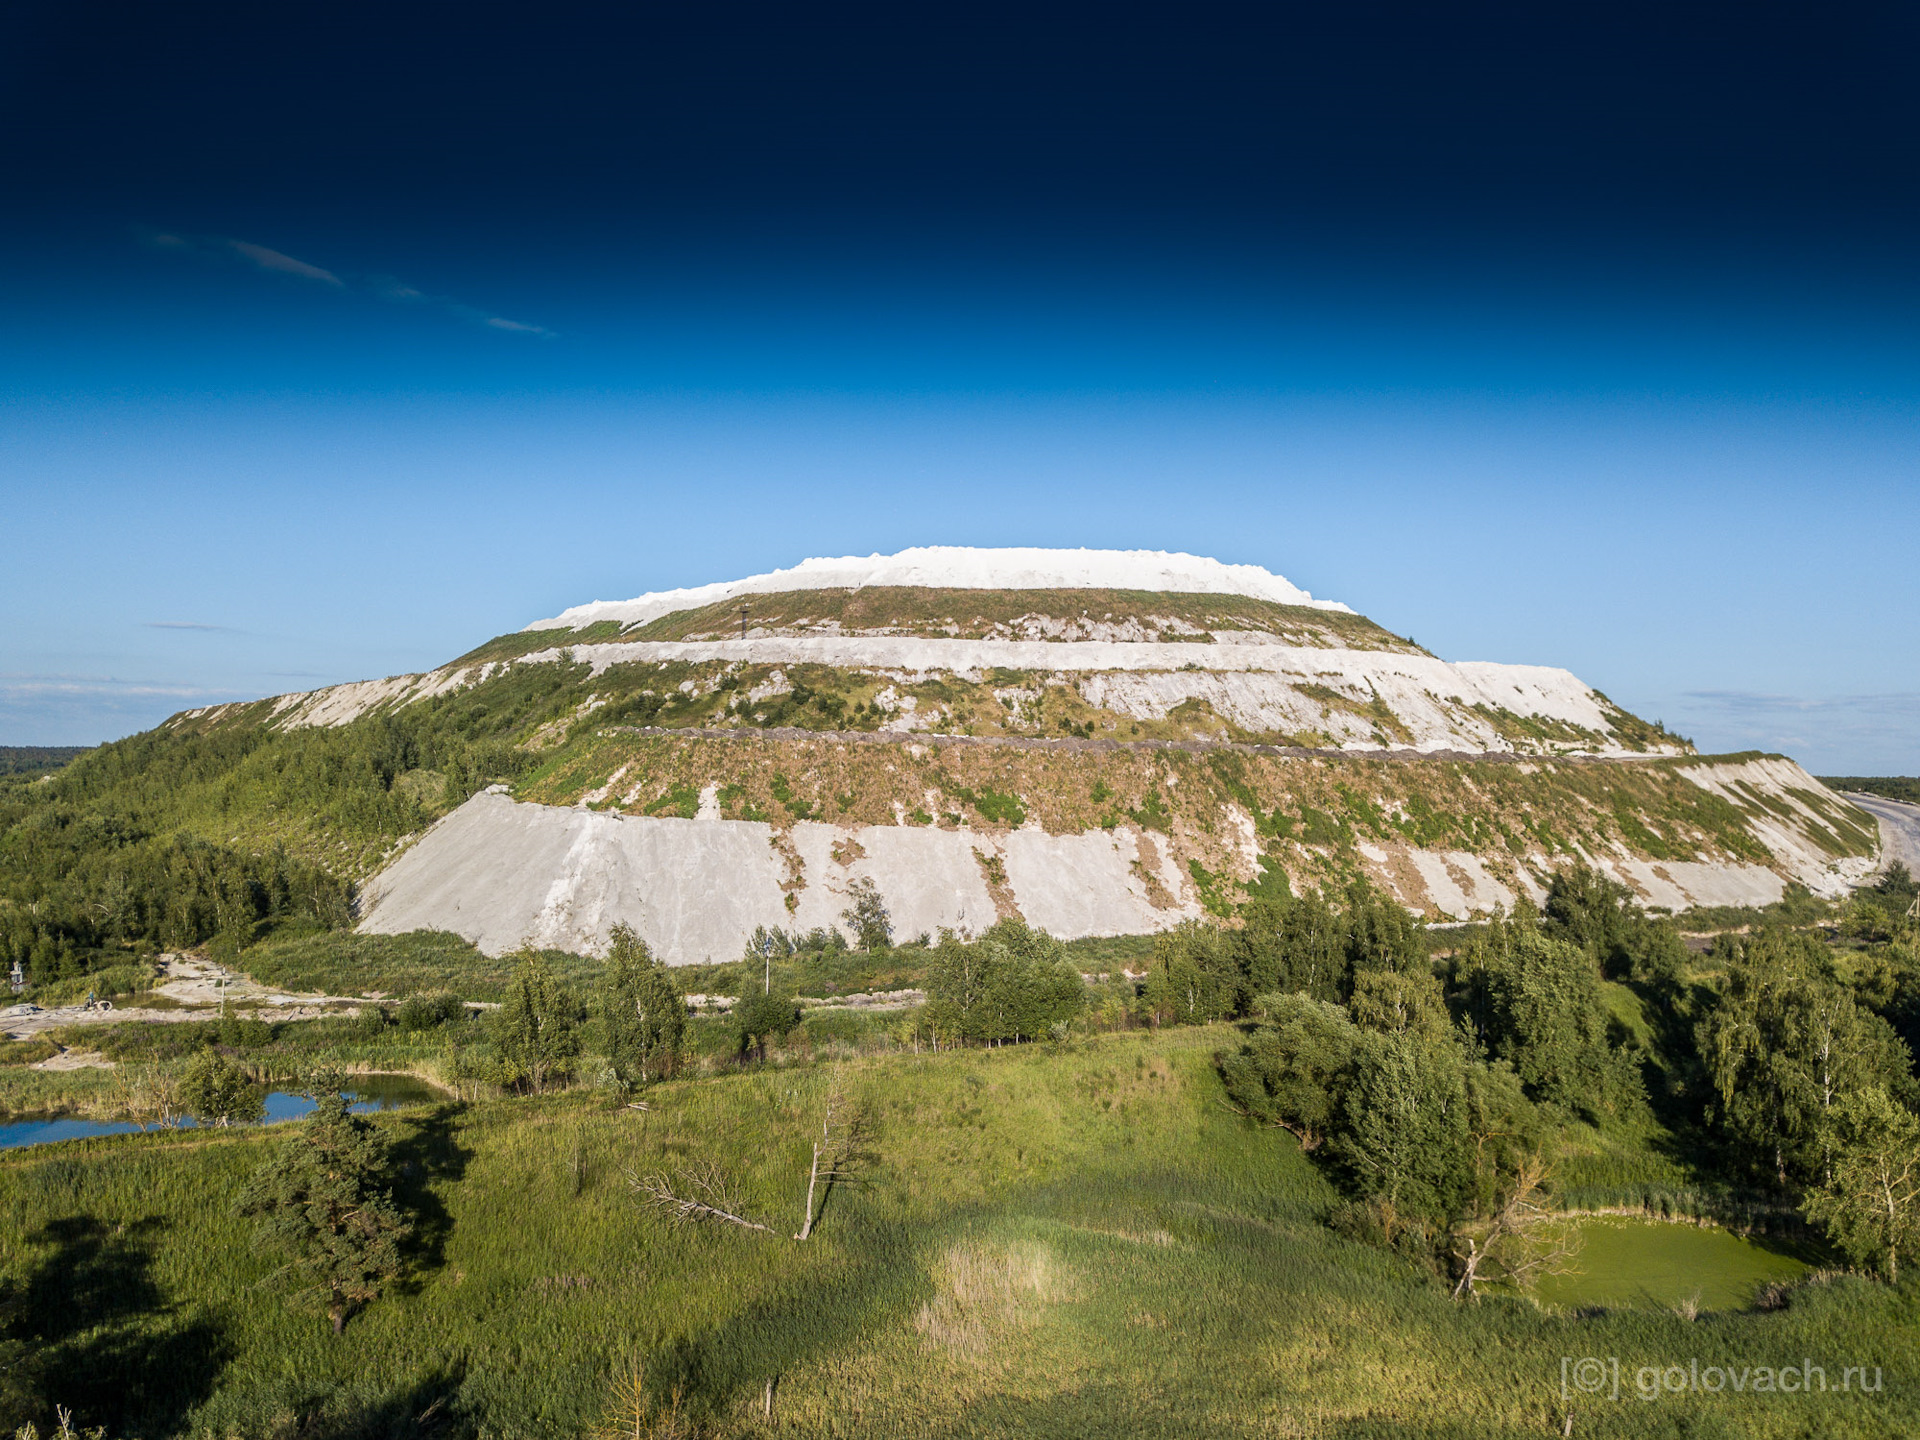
[219, 824]
[973, 615]
[223, 824]
[336, 962]
[1045, 1242]
[1055, 1238]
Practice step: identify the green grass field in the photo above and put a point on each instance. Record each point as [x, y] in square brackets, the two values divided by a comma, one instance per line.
[1646, 1264]
[1050, 1242]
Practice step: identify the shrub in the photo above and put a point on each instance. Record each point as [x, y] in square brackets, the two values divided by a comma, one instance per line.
[427, 1012]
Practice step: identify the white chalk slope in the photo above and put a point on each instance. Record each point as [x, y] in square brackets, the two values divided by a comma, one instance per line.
[959, 567]
[504, 874]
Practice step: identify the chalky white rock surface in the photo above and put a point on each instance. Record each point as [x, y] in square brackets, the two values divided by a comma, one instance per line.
[958, 567]
[503, 874]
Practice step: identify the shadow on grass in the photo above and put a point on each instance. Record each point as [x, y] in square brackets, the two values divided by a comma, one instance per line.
[424, 1409]
[114, 1349]
[427, 1154]
[878, 1270]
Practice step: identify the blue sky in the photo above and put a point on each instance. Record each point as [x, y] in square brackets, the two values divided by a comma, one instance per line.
[328, 395]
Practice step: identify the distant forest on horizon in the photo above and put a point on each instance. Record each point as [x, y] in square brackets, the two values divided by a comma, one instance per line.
[33, 759]
[1890, 787]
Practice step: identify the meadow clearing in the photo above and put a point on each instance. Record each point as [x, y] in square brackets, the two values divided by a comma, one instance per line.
[1076, 1239]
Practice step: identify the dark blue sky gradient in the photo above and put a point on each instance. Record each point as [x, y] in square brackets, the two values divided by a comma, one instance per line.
[355, 335]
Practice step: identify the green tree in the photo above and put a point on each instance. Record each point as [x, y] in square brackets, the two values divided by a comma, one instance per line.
[763, 1015]
[1035, 988]
[215, 1091]
[1398, 1002]
[1869, 1202]
[1013, 983]
[867, 916]
[1598, 914]
[322, 1199]
[959, 975]
[1659, 958]
[1381, 933]
[1785, 1044]
[1293, 1066]
[430, 1011]
[1506, 1229]
[1535, 1001]
[1292, 945]
[537, 1027]
[1319, 945]
[1195, 976]
[644, 1015]
[1401, 1129]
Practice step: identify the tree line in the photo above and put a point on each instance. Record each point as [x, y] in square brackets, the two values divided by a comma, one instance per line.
[185, 833]
[1435, 1095]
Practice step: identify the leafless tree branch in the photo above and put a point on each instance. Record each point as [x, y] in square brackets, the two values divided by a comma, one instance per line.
[699, 1193]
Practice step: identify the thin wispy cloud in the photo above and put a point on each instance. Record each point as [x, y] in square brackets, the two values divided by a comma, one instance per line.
[1880, 731]
[267, 259]
[1761, 703]
[13, 686]
[378, 287]
[187, 625]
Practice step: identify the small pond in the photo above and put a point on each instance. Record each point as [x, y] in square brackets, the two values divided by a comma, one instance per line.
[369, 1093]
[1628, 1264]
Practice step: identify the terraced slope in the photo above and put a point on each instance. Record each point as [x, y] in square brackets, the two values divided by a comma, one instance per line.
[1099, 759]
[1093, 664]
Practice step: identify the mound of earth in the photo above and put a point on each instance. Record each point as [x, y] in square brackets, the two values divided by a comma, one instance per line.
[1100, 741]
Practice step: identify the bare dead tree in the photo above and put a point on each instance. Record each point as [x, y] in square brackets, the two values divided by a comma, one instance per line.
[698, 1193]
[701, 1192]
[837, 1155]
[633, 1413]
[1521, 1240]
[147, 1096]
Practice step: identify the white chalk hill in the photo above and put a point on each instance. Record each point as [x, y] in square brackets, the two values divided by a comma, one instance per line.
[1155, 640]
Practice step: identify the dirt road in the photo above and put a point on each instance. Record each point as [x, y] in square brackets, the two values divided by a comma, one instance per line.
[197, 989]
[1899, 829]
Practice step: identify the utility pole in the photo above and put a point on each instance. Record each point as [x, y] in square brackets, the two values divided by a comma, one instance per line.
[743, 619]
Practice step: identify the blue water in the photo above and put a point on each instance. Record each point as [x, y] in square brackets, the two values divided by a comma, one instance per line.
[379, 1092]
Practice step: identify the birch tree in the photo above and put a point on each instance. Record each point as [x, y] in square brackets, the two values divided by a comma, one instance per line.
[1869, 1202]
